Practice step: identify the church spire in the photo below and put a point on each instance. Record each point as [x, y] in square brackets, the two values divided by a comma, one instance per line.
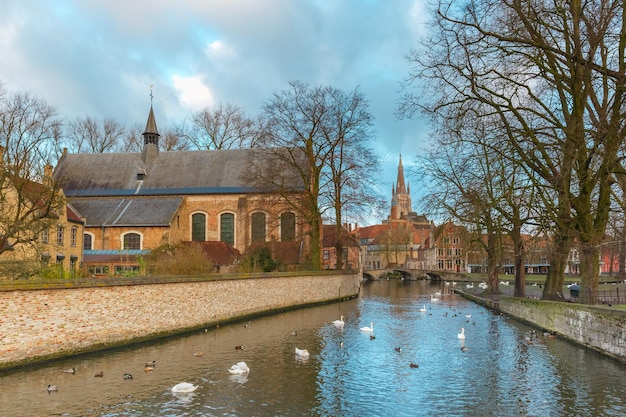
[151, 134]
[400, 188]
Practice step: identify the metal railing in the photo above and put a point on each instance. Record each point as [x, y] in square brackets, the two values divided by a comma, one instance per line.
[601, 297]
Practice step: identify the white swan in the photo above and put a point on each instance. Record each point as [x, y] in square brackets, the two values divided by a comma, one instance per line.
[462, 334]
[423, 309]
[338, 323]
[239, 368]
[368, 329]
[184, 387]
[303, 353]
[470, 285]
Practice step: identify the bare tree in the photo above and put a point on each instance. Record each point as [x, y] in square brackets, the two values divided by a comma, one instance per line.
[318, 132]
[88, 135]
[224, 127]
[553, 74]
[29, 200]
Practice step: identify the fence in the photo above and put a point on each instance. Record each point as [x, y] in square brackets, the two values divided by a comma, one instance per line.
[602, 297]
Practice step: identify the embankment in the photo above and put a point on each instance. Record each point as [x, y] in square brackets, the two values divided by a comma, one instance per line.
[600, 328]
[39, 324]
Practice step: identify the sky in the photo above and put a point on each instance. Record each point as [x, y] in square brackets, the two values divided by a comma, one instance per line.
[103, 59]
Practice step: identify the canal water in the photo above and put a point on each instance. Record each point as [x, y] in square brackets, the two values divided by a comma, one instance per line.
[412, 364]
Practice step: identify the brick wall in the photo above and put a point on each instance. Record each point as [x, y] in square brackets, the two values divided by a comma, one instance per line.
[40, 324]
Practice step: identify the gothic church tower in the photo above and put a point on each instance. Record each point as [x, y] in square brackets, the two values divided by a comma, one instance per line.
[400, 197]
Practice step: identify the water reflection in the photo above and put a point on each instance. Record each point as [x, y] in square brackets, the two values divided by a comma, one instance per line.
[413, 363]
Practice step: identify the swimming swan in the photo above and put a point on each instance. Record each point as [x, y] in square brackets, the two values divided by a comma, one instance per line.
[184, 387]
[462, 334]
[423, 309]
[368, 329]
[338, 323]
[239, 368]
[302, 353]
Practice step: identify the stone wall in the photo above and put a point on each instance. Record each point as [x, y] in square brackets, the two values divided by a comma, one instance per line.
[39, 324]
[600, 328]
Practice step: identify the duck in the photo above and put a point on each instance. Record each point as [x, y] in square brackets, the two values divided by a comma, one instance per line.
[198, 354]
[184, 387]
[398, 349]
[70, 371]
[239, 368]
[338, 323]
[52, 388]
[372, 337]
[462, 334]
[151, 363]
[464, 348]
[413, 365]
[128, 376]
[303, 353]
[368, 329]
[148, 368]
[99, 374]
[239, 347]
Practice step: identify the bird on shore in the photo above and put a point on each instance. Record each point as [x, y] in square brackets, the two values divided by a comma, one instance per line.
[198, 354]
[303, 353]
[148, 368]
[52, 388]
[70, 371]
[239, 347]
[151, 363]
[128, 376]
[368, 329]
[338, 323]
[99, 374]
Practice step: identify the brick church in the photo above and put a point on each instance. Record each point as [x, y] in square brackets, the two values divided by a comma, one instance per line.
[134, 202]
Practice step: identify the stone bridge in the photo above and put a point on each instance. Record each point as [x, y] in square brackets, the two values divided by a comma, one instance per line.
[414, 274]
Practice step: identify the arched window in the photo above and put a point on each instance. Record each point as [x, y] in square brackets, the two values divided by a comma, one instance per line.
[87, 242]
[227, 228]
[198, 227]
[132, 241]
[258, 227]
[287, 226]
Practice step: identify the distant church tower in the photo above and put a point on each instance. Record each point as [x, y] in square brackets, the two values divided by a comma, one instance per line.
[400, 197]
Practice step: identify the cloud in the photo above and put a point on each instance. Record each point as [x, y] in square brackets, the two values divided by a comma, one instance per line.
[193, 93]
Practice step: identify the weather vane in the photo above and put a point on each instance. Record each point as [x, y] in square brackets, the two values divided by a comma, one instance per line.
[151, 96]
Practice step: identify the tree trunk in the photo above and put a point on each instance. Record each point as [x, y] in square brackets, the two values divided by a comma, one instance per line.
[590, 273]
[553, 289]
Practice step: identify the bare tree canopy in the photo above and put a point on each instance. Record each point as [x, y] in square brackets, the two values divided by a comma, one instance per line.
[88, 135]
[552, 75]
[28, 199]
[224, 127]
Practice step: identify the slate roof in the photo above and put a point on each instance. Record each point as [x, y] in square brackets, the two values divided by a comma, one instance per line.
[128, 211]
[169, 173]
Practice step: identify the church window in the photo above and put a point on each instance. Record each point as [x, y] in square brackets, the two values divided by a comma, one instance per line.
[87, 243]
[258, 227]
[132, 241]
[287, 226]
[227, 228]
[198, 227]
[60, 234]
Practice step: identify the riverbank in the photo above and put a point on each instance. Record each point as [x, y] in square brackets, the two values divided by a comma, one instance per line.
[41, 324]
[601, 328]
